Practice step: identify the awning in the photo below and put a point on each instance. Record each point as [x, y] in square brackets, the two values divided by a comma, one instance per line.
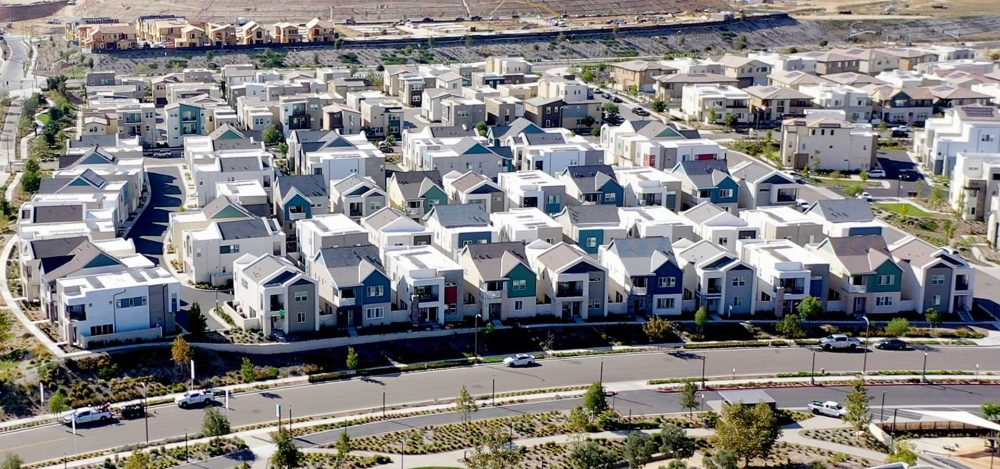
[959, 416]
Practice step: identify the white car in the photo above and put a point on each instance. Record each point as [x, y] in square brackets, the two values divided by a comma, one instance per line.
[828, 408]
[877, 173]
[839, 342]
[865, 196]
[194, 398]
[521, 359]
[87, 415]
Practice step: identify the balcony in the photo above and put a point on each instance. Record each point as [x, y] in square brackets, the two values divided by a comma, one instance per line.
[492, 295]
[961, 283]
[641, 291]
[297, 216]
[850, 288]
[714, 287]
[569, 289]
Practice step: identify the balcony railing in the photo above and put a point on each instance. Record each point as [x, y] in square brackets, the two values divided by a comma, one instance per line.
[568, 292]
[713, 289]
[856, 288]
[492, 295]
[639, 291]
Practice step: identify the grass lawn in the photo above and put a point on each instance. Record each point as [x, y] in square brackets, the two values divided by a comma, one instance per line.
[913, 210]
[44, 117]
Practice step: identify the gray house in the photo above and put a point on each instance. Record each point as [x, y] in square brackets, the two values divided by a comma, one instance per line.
[356, 196]
[272, 295]
[716, 279]
[299, 198]
[354, 290]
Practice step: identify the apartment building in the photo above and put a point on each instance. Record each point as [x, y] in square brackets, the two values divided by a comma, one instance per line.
[975, 180]
[855, 102]
[715, 104]
[827, 141]
[972, 129]
[786, 274]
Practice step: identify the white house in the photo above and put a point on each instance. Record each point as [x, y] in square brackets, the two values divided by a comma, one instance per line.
[526, 224]
[654, 220]
[209, 253]
[719, 226]
[327, 231]
[232, 166]
[786, 274]
[725, 103]
[427, 283]
[388, 227]
[646, 186]
[972, 129]
[855, 102]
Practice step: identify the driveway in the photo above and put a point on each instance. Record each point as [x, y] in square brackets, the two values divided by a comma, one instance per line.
[895, 163]
[166, 195]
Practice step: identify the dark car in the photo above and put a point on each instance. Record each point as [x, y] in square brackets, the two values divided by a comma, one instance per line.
[615, 99]
[891, 344]
[909, 175]
[133, 411]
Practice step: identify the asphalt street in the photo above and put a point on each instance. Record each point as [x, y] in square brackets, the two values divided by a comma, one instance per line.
[11, 77]
[47, 442]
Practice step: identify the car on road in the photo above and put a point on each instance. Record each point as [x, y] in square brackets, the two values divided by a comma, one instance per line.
[521, 359]
[865, 196]
[194, 398]
[132, 411]
[839, 342]
[900, 131]
[877, 173]
[87, 416]
[909, 175]
[828, 408]
[802, 204]
[640, 111]
[891, 344]
[614, 99]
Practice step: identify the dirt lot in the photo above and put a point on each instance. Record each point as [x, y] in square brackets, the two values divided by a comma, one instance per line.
[911, 7]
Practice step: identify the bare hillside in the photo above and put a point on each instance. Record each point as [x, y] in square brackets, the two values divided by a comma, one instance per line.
[272, 10]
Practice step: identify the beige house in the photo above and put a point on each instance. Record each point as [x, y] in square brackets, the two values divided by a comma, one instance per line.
[670, 88]
[638, 74]
[826, 140]
[318, 30]
[115, 36]
[220, 34]
[251, 33]
[191, 36]
[286, 33]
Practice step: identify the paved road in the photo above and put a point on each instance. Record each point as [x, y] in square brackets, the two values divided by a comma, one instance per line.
[50, 441]
[11, 78]
[166, 195]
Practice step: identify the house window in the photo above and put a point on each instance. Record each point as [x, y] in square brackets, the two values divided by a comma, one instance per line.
[375, 291]
[737, 301]
[102, 329]
[739, 281]
[883, 301]
[764, 296]
[300, 318]
[553, 199]
[667, 282]
[374, 313]
[936, 300]
[520, 285]
[886, 280]
[725, 193]
[591, 242]
[301, 296]
[594, 303]
[723, 241]
[518, 305]
[937, 279]
[664, 303]
[374, 205]
[609, 197]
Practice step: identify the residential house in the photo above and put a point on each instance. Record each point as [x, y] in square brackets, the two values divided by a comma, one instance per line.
[503, 110]
[318, 30]
[273, 296]
[646, 187]
[715, 104]
[784, 222]
[762, 185]
[747, 71]
[793, 79]
[719, 226]
[222, 208]
[551, 151]
[357, 197]
[971, 129]
[827, 141]
[210, 253]
[388, 227]
[855, 102]
[948, 96]
[342, 119]
[786, 274]
[647, 143]
[934, 277]
[771, 104]
[428, 285]
[498, 280]
[527, 225]
[570, 284]
[416, 144]
[462, 112]
[458, 225]
[353, 288]
[473, 188]
[637, 75]
[381, 117]
[232, 166]
[327, 231]
[644, 276]
[299, 198]
[715, 279]
[198, 116]
[653, 221]
[533, 189]
[842, 218]
[415, 192]
[593, 184]
[335, 156]
[115, 36]
[975, 181]
[900, 105]
[544, 112]
[707, 181]
[864, 279]
[670, 88]
[591, 226]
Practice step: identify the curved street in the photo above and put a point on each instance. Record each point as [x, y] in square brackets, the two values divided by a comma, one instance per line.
[622, 371]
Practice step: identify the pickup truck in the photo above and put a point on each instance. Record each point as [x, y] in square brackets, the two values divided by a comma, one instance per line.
[87, 416]
[828, 408]
[194, 398]
[839, 342]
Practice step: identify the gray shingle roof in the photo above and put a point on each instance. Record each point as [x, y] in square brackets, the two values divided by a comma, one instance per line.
[243, 229]
[469, 180]
[411, 183]
[233, 164]
[590, 178]
[860, 254]
[383, 217]
[459, 215]
[843, 210]
[702, 173]
[350, 265]
[57, 213]
[311, 185]
[496, 260]
[47, 248]
[592, 214]
[642, 256]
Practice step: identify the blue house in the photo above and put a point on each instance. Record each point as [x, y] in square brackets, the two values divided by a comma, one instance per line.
[593, 184]
[645, 277]
[591, 226]
[300, 198]
[707, 181]
[458, 225]
[354, 290]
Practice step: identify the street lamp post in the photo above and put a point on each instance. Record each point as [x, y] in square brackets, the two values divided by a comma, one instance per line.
[600, 376]
[881, 412]
[812, 369]
[475, 352]
[703, 358]
[145, 410]
[923, 373]
[864, 363]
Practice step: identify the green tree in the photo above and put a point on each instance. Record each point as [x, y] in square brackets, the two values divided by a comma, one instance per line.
[903, 453]
[701, 318]
[482, 128]
[247, 371]
[594, 400]
[639, 449]
[588, 76]
[731, 121]
[853, 190]
[790, 326]
[197, 322]
[611, 109]
[465, 404]
[592, 455]
[139, 460]
[991, 411]
[823, 42]
[272, 135]
[933, 316]
[936, 198]
[58, 402]
[810, 308]
[689, 397]
[749, 431]
[659, 105]
[214, 423]
[181, 351]
[578, 420]
[722, 459]
[658, 329]
[674, 442]
[864, 175]
[677, 464]
[286, 455]
[494, 451]
[856, 403]
[31, 181]
[344, 446]
[11, 461]
[352, 359]
[712, 116]
[897, 327]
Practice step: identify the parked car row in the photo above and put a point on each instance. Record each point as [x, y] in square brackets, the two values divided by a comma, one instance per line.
[102, 415]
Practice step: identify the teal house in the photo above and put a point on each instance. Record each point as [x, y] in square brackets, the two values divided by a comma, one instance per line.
[498, 280]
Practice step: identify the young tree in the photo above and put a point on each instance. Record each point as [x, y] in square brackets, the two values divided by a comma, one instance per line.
[11, 461]
[658, 329]
[215, 423]
[722, 459]
[991, 411]
[713, 116]
[592, 455]
[611, 109]
[701, 318]
[58, 402]
[181, 351]
[857, 406]
[247, 371]
[853, 190]
[810, 308]
[493, 451]
[272, 135]
[731, 121]
[197, 323]
[903, 453]
[578, 421]
[674, 442]
[465, 404]
[689, 397]
[594, 400]
[286, 455]
[138, 460]
[677, 464]
[864, 175]
[352, 359]
[482, 128]
[933, 316]
[659, 105]
[639, 449]
[897, 327]
[790, 327]
[749, 431]
[344, 446]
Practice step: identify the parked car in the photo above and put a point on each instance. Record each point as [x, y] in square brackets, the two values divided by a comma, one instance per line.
[839, 342]
[194, 398]
[521, 359]
[877, 173]
[614, 98]
[909, 175]
[88, 416]
[132, 411]
[640, 111]
[865, 196]
[802, 205]
[891, 344]
[828, 408]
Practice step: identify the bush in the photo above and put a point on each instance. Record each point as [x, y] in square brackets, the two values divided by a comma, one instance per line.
[897, 327]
